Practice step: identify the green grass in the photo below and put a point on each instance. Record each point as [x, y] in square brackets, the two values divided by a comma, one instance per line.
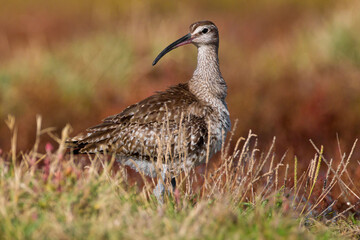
[292, 71]
[93, 206]
[57, 196]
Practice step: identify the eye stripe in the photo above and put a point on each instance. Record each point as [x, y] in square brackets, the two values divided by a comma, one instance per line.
[196, 28]
[200, 29]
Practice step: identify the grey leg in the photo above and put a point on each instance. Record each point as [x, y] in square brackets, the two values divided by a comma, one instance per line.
[160, 188]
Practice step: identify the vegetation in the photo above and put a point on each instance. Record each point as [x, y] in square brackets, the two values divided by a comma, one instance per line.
[293, 70]
[59, 196]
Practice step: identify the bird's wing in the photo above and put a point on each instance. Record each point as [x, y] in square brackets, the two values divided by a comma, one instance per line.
[158, 124]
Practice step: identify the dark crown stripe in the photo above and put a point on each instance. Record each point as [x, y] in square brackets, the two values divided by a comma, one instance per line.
[200, 23]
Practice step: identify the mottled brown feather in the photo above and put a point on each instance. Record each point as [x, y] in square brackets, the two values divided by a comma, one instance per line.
[137, 129]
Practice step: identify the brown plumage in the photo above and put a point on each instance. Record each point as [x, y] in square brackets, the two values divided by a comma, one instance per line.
[175, 124]
[138, 129]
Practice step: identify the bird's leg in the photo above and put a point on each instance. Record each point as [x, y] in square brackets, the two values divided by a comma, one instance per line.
[173, 183]
[160, 187]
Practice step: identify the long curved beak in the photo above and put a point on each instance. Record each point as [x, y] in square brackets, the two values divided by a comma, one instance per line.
[180, 42]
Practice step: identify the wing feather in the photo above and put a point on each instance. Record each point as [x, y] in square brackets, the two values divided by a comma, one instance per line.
[143, 128]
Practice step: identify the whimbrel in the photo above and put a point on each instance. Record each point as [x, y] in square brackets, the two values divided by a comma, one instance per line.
[186, 123]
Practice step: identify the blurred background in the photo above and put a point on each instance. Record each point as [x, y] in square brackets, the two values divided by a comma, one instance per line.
[292, 67]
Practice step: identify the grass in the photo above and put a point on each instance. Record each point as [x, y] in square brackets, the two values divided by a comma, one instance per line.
[59, 196]
[292, 69]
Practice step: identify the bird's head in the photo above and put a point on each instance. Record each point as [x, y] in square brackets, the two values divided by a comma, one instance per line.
[201, 33]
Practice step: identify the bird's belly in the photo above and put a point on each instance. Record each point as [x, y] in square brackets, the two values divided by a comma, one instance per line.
[151, 168]
[145, 167]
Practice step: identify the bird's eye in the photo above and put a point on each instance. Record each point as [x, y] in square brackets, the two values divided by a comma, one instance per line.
[205, 30]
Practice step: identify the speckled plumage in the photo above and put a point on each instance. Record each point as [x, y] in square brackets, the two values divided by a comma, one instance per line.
[173, 125]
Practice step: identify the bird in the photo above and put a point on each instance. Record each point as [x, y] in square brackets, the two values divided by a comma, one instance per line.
[172, 130]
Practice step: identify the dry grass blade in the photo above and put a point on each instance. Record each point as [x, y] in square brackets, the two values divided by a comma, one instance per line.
[244, 185]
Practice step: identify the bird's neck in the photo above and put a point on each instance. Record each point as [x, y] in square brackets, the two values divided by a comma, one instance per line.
[207, 83]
